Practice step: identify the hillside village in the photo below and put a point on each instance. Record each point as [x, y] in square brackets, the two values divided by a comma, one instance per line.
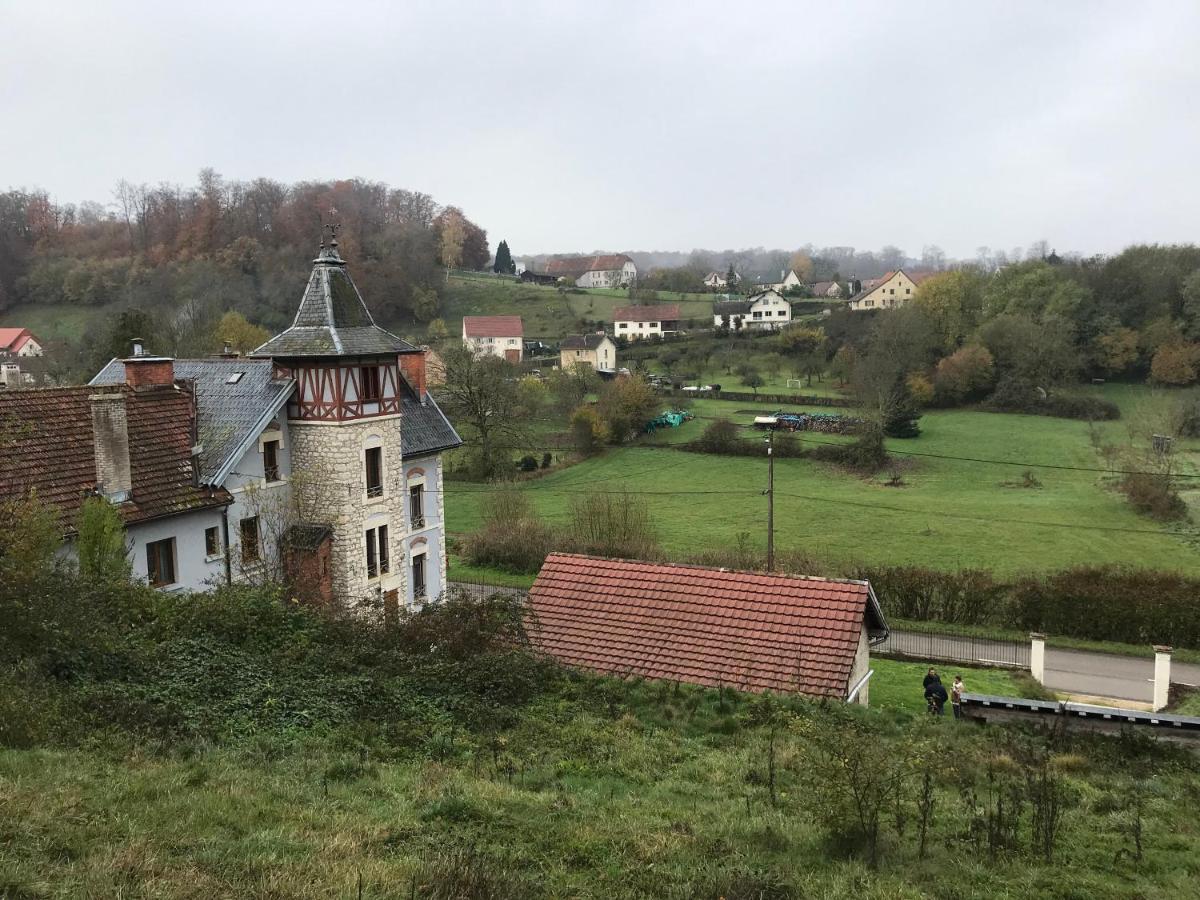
[705, 491]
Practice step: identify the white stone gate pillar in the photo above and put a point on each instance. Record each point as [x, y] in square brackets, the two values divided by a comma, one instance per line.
[1162, 676]
[1037, 656]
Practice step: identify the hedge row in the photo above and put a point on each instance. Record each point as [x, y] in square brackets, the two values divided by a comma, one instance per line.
[1103, 603]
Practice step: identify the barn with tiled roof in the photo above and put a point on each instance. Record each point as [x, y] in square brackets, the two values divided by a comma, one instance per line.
[749, 631]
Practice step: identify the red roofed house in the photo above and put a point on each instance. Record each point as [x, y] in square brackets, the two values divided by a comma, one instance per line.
[501, 336]
[635, 322]
[19, 342]
[133, 443]
[611, 270]
[745, 630]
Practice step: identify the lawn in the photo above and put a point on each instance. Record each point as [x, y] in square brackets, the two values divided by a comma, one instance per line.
[896, 685]
[63, 322]
[947, 513]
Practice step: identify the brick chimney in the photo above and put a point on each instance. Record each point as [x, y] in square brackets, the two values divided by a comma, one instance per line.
[412, 366]
[110, 437]
[145, 371]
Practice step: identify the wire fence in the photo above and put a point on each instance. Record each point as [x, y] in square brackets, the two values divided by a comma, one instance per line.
[961, 648]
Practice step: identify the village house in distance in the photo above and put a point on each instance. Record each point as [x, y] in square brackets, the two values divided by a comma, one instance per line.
[502, 336]
[607, 271]
[596, 350]
[318, 458]
[765, 311]
[635, 322]
[18, 342]
[894, 289]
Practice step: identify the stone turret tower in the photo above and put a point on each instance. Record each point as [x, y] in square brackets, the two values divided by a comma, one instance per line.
[353, 380]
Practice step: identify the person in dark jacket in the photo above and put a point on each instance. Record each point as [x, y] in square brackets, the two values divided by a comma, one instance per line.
[930, 677]
[935, 695]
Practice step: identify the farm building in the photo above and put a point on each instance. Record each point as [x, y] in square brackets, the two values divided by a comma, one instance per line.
[502, 336]
[19, 342]
[635, 322]
[765, 311]
[605, 271]
[713, 627]
[892, 290]
[596, 350]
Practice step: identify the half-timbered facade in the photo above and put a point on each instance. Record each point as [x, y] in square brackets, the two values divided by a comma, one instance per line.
[367, 438]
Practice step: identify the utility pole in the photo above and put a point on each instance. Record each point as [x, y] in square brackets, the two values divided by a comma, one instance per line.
[771, 501]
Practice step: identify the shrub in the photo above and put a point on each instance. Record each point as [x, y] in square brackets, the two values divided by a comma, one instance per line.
[528, 464]
[512, 539]
[616, 524]
[920, 388]
[964, 375]
[1175, 363]
[1154, 496]
[1016, 395]
[867, 454]
[588, 430]
[720, 436]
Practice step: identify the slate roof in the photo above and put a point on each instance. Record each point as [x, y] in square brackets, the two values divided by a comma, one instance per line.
[732, 307]
[745, 630]
[662, 312]
[230, 415]
[493, 326]
[332, 319]
[582, 341]
[50, 448]
[821, 288]
[424, 428]
[575, 266]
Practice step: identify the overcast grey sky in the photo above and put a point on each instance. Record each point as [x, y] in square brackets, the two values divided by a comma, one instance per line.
[642, 125]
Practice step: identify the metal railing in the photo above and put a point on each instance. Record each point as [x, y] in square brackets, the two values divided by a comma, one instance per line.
[962, 648]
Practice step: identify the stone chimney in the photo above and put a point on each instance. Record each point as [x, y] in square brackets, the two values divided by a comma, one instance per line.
[228, 352]
[110, 437]
[412, 366]
[145, 371]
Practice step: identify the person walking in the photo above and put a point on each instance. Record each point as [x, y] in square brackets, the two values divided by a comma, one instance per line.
[935, 694]
[956, 692]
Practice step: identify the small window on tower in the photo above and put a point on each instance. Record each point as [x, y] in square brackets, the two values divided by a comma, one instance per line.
[374, 467]
[370, 382]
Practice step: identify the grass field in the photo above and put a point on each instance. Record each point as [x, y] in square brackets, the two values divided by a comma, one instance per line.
[657, 791]
[64, 322]
[948, 513]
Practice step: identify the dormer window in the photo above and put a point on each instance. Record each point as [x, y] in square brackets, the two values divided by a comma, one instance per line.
[234, 378]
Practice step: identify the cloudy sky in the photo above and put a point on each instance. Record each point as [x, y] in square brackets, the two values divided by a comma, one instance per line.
[642, 125]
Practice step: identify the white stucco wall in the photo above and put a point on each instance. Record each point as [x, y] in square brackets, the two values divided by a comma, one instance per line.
[193, 570]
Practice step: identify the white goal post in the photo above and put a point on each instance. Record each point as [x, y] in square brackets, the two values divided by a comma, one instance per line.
[794, 382]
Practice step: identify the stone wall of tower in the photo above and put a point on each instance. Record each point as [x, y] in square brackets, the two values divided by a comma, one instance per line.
[331, 457]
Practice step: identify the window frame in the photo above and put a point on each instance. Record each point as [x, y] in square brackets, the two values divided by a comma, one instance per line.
[370, 384]
[377, 551]
[417, 565]
[373, 491]
[416, 505]
[270, 455]
[212, 548]
[251, 549]
[155, 558]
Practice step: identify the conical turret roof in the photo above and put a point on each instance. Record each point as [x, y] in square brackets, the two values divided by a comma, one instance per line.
[332, 319]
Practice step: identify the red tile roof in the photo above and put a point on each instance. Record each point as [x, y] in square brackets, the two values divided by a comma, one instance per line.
[745, 630]
[48, 446]
[13, 339]
[578, 265]
[493, 326]
[662, 312]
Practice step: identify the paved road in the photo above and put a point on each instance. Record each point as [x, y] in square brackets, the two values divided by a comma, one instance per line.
[1068, 671]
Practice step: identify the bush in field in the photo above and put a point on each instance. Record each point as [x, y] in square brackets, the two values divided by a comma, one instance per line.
[866, 454]
[964, 375]
[720, 436]
[1175, 363]
[616, 524]
[626, 405]
[512, 539]
[1154, 496]
[588, 430]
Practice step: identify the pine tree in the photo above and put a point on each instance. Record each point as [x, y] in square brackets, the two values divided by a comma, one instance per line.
[504, 262]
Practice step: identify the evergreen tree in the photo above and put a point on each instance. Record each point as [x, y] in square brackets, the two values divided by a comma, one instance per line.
[504, 264]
